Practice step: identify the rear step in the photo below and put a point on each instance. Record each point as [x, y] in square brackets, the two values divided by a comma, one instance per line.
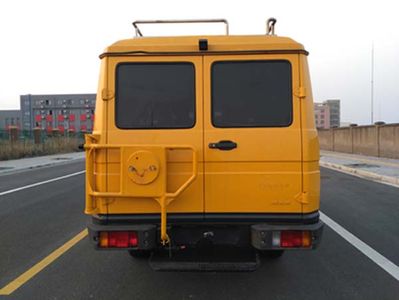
[222, 259]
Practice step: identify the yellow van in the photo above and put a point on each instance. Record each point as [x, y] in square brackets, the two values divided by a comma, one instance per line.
[203, 140]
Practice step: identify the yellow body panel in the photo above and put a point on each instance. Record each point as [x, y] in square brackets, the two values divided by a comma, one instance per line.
[273, 170]
[310, 143]
[179, 161]
[216, 43]
[264, 173]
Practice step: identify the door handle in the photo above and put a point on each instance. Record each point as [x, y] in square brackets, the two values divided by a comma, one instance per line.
[223, 145]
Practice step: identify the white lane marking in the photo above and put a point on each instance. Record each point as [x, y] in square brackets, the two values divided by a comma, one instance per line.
[376, 257]
[40, 183]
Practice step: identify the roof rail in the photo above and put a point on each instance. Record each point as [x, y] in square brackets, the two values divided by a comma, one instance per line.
[138, 32]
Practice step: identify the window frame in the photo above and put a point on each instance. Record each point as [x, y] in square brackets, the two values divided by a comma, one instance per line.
[192, 64]
[254, 60]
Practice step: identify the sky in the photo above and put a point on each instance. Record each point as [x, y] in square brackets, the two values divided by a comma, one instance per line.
[52, 47]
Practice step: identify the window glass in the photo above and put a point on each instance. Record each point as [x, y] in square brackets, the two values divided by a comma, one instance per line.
[251, 94]
[155, 95]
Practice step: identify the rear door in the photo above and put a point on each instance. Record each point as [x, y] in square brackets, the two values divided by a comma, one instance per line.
[158, 101]
[252, 134]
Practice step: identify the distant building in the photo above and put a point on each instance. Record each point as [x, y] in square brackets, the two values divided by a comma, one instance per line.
[322, 115]
[10, 118]
[69, 112]
[335, 112]
[327, 114]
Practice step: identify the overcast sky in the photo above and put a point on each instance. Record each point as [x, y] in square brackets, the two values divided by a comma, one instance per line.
[53, 46]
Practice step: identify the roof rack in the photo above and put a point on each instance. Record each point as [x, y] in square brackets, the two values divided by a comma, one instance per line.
[138, 32]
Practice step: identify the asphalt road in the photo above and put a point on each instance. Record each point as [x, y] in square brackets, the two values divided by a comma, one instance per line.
[36, 221]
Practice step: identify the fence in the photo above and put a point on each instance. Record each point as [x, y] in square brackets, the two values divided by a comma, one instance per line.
[373, 140]
[16, 143]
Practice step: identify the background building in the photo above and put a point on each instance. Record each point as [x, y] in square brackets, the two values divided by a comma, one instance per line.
[322, 115]
[10, 118]
[69, 112]
[335, 112]
[327, 114]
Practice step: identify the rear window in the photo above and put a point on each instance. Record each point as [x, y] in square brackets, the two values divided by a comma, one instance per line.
[251, 94]
[155, 95]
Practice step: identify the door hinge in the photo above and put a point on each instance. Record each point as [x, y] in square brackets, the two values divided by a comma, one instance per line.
[107, 94]
[300, 92]
[302, 198]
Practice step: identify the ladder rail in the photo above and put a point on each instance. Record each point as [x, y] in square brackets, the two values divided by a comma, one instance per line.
[163, 199]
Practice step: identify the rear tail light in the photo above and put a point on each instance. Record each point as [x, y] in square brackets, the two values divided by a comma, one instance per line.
[118, 239]
[292, 239]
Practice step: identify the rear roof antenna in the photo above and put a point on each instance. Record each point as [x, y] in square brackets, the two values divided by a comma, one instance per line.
[270, 26]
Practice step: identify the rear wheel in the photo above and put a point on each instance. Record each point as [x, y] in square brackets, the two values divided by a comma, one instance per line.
[140, 254]
[272, 253]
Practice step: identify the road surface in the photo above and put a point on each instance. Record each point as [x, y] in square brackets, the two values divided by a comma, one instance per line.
[36, 220]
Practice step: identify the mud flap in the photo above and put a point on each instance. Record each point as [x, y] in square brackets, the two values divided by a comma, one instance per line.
[221, 259]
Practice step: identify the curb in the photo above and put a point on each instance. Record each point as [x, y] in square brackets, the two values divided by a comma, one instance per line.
[393, 181]
[38, 166]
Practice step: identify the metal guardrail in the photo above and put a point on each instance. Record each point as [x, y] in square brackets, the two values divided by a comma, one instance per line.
[29, 135]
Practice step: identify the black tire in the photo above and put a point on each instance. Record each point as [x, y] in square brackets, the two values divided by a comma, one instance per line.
[273, 254]
[140, 254]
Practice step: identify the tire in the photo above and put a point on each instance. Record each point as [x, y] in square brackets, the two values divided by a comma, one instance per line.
[273, 254]
[140, 254]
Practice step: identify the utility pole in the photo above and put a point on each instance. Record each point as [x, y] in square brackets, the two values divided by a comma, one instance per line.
[372, 83]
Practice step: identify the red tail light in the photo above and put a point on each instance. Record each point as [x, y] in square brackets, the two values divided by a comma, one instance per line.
[118, 239]
[293, 239]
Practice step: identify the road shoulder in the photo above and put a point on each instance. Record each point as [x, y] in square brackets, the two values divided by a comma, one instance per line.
[23, 164]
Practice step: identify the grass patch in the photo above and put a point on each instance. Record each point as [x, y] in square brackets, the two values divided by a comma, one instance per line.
[27, 148]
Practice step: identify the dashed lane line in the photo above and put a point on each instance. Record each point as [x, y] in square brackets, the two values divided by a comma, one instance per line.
[40, 183]
[372, 254]
[23, 278]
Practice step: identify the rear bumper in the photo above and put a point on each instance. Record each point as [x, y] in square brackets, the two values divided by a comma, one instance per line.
[210, 218]
[226, 229]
